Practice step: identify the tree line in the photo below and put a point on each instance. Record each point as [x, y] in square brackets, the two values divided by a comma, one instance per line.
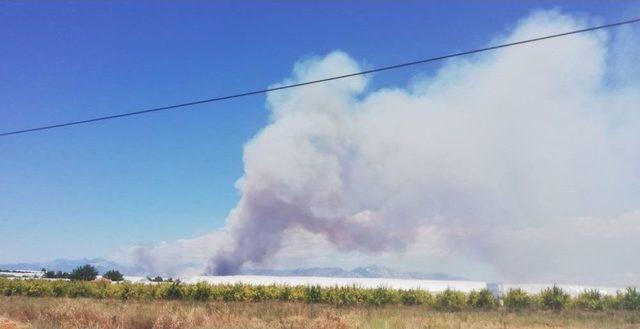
[89, 273]
[83, 273]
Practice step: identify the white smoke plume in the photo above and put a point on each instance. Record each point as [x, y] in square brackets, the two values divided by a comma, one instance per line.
[524, 159]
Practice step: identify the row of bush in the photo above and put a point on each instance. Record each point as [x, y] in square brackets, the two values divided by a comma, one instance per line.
[556, 299]
[84, 273]
[449, 300]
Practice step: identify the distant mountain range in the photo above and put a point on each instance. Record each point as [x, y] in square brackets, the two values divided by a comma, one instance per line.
[372, 271]
[67, 265]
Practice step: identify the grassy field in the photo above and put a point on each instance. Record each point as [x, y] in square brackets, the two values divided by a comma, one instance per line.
[63, 313]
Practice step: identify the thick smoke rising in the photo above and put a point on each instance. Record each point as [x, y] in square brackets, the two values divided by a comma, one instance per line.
[524, 159]
[509, 139]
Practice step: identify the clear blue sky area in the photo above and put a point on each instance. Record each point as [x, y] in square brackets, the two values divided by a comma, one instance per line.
[89, 190]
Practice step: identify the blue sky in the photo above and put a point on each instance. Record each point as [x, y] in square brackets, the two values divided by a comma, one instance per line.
[90, 190]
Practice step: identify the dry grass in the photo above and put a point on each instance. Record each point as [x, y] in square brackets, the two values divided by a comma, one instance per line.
[62, 313]
[8, 324]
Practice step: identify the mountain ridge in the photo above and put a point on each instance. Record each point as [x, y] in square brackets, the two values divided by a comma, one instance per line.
[370, 271]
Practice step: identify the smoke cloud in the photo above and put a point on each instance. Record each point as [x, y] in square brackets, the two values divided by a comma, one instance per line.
[524, 160]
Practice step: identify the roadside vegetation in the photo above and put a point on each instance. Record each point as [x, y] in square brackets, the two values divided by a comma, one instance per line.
[551, 299]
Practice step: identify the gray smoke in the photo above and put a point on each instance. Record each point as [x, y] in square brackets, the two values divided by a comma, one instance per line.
[524, 158]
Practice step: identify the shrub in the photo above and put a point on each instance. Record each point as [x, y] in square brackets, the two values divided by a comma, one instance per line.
[172, 291]
[79, 289]
[11, 287]
[590, 300]
[298, 294]
[334, 296]
[340, 296]
[262, 293]
[84, 273]
[59, 288]
[113, 275]
[416, 297]
[450, 300]
[630, 300]
[200, 291]
[137, 291]
[236, 293]
[38, 288]
[381, 296]
[553, 299]
[101, 289]
[313, 294]
[286, 294]
[612, 302]
[517, 300]
[483, 300]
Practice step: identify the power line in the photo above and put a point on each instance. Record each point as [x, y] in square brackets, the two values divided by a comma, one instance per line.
[262, 91]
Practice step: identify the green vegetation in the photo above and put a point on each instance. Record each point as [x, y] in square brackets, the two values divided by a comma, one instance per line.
[482, 300]
[113, 275]
[449, 300]
[157, 279]
[84, 273]
[630, 301]
[553, 299]
[80, 273]
[517, 300]
[56, 275]
[590, 300]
